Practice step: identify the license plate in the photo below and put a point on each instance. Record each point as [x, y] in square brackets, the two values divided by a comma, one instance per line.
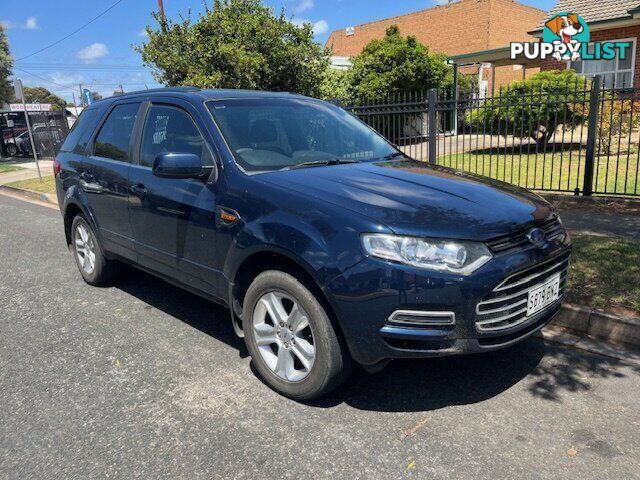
[543, 295]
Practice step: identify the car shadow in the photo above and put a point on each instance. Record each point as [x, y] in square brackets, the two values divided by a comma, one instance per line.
[201, 314]
[410, 385]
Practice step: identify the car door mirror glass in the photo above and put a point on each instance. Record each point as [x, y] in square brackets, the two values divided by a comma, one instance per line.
[178, 165]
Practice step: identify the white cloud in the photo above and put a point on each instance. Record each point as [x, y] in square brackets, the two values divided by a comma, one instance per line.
[441, 2]
[93, 52]
[143, 33]
[320, 27]
[303, 6]
[6, 24]
[31, 23]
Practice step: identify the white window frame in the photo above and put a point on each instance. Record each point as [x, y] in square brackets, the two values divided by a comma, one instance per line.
[633, 42]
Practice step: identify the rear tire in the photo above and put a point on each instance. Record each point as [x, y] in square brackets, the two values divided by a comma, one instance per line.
[297, 353]
[95, 269]
[12, 150]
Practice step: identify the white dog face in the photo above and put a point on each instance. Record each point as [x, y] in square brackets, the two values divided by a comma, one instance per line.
[565, 26]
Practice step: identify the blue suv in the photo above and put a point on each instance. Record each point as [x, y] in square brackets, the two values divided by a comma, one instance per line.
[327, 244]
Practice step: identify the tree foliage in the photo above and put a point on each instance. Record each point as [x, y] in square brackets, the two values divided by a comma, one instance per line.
[535, 107]
[235, 44]
[397, 64]
[335, 84]
[6, 64]
[42, 95]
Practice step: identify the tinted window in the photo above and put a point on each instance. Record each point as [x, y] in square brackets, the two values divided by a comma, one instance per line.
[80, 132]
[271, 134]
[171, 130]
[113, 139]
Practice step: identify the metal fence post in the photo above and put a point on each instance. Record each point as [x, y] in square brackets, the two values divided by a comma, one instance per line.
[432, 98]
[592, 133]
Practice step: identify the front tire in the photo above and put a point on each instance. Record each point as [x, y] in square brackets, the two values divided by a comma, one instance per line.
[95, 269]
[291, 339]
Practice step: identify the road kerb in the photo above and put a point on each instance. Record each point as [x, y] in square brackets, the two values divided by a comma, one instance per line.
[43, 197]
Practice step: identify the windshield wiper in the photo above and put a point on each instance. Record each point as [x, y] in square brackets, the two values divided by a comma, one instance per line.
[393, 155]
[322, 163]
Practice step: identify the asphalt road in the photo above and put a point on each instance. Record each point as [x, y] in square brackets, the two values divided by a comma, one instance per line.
[142, 380]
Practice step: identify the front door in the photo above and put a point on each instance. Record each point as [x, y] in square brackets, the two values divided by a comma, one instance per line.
[174, 219]
[104, 177]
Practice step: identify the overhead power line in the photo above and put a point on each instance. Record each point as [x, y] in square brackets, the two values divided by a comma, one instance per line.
[72, 33]
[66, 87]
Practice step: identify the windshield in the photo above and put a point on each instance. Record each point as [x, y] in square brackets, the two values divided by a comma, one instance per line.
[278, 133]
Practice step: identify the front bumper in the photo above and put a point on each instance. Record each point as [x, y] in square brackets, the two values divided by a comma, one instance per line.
[369, 293]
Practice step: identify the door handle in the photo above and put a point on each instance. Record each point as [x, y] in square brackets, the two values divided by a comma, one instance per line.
[87, 177]
[139, 190]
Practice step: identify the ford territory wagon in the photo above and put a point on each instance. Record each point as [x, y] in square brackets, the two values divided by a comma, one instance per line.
[327, 244]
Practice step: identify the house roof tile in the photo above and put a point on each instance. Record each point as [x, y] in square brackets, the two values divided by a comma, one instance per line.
[595, 10]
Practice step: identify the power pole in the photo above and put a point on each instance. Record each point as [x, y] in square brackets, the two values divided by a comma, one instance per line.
[81, 95]
[75, 104]
[161, 9]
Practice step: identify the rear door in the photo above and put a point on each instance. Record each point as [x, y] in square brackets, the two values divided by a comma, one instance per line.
[104, 177]
[173, 220]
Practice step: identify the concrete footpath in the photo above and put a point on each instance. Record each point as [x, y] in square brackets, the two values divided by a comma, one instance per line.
[29, 170]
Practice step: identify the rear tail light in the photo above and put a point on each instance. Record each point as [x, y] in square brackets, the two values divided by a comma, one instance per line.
[56, 168]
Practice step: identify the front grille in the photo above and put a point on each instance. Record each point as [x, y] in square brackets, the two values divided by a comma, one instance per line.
[506, 306]
[553, 229]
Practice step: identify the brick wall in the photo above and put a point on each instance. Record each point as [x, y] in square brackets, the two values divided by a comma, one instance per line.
[603, 36]
[453, 29]
[462, 27]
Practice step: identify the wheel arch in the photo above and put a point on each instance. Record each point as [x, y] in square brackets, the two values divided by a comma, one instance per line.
[277, 259]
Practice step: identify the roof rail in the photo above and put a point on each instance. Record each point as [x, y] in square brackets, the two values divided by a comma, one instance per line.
[166, 89]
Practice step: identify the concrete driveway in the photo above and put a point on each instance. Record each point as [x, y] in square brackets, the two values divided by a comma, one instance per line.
[142, 380]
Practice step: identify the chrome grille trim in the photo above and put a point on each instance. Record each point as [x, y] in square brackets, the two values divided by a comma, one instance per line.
[422, 318]
[500, 312]
[505, 286]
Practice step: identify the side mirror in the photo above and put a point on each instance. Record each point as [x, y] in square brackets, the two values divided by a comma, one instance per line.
[178, 165]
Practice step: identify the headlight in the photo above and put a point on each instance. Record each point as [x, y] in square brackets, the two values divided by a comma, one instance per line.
[432, 254]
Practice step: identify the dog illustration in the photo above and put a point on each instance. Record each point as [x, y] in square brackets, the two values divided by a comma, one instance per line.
[566, 27]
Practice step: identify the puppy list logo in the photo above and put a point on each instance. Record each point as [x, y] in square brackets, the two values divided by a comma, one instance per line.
[566, 37]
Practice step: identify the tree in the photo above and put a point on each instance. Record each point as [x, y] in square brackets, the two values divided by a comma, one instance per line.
[335, 84]
[237, 44]
[6, 64]
[42, 95]
[397, 64]
[535, 107]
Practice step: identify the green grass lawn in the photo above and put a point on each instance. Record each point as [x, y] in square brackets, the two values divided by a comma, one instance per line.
[605, 273]
[9, 168]
[46, 185]
[561, 170]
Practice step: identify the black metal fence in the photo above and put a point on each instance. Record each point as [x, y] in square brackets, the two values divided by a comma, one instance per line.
[580, 138]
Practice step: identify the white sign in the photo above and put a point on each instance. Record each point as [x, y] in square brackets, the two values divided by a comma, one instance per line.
[17, 85]
[31, 107]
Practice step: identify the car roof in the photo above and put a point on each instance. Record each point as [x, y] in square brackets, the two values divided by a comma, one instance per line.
[202, 94]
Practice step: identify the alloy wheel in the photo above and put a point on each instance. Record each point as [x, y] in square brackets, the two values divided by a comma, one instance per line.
[283, 335]
[85, 249]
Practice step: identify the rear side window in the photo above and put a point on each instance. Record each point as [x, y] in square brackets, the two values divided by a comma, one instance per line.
[171, 130]
[80, 132]
[114, 137]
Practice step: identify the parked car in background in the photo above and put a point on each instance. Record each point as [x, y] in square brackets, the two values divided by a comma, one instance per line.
[327, 244]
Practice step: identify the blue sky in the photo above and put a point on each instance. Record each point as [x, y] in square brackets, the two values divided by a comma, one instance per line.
[101, 54]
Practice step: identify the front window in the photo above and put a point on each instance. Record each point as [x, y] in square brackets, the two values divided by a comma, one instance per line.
[615, 73]
[278, 133]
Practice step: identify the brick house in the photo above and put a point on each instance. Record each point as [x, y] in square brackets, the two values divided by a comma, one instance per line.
[608, 20]
[456, 28]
